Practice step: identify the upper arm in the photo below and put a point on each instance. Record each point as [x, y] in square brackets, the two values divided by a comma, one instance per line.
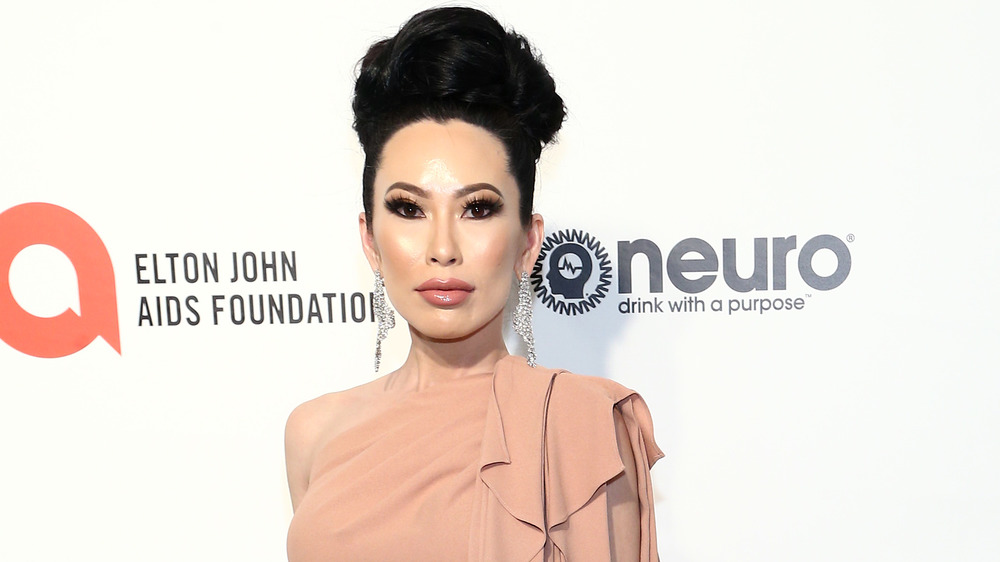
[623, 499]
[301, 433]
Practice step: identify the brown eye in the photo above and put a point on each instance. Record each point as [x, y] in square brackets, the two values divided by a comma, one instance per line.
[480, 209]
[404, 208]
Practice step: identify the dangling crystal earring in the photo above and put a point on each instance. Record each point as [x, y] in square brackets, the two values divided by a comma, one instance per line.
[384, 316]
[522, 316]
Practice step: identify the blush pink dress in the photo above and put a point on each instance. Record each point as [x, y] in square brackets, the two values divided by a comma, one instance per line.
[521, 464]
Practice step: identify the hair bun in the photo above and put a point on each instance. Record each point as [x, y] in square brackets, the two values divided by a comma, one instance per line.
[532, 91]
[457, 63]
[455, 57]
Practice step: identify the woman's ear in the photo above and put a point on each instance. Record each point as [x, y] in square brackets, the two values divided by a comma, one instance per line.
[368, 243]
[535, 234]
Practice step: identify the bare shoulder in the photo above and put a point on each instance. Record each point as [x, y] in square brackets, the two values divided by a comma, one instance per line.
[317, 421]
[327, 415]
[315, 416]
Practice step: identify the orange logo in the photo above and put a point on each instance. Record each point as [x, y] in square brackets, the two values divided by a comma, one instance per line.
[65, 334]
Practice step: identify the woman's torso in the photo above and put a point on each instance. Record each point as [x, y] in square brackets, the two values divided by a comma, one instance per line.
[399, 483]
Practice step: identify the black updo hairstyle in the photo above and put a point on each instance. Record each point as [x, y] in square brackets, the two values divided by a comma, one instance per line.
[457, 63]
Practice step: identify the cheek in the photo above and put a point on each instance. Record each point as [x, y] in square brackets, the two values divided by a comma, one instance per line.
[497, 252]
[396, 248]
[400, 253]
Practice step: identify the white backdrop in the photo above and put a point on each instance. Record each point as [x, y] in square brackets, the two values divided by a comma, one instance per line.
[862, 426]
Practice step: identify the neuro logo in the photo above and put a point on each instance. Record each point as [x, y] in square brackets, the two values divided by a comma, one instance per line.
[572, 273]
[42, 223]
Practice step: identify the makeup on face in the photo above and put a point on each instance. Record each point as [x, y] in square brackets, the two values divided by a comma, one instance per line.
[481, 200]
[445, 292]
[447, 234]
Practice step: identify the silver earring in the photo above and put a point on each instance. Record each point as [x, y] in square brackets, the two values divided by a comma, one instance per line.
[522, 316]
[384, 316]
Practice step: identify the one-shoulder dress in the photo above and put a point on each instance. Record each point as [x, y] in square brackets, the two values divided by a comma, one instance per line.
[521, 464]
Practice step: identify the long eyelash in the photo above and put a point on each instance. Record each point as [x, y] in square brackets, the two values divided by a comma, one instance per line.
[492, 205]
[394, 203]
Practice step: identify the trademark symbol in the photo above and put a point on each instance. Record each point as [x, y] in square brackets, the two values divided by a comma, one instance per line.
[850, 238]
[808, 295]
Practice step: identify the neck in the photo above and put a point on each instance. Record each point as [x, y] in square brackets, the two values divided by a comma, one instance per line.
[432, 361]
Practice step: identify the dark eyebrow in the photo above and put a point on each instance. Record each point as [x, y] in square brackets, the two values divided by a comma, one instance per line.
[420, 192]
[407, 187]
[474, 187]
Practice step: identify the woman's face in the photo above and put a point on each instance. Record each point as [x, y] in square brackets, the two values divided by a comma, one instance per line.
[445, 230]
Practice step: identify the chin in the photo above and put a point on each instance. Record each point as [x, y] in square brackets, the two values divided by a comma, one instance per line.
[442, 329]
[443, 334]
[450, 328]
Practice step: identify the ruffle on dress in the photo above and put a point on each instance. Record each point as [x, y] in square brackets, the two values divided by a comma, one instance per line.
[549, 451]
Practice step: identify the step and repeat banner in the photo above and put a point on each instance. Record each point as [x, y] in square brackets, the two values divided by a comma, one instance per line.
[776, 220]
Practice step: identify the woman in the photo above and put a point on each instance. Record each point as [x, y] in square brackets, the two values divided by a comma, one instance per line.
[465, 452]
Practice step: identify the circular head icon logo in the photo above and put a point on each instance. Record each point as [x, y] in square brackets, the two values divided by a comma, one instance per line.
[564, 275]
[570, 269]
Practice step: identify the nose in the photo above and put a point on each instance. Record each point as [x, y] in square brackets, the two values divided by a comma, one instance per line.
[443, 246]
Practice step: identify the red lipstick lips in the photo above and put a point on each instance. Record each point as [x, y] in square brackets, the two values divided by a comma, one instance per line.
[444, 292]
